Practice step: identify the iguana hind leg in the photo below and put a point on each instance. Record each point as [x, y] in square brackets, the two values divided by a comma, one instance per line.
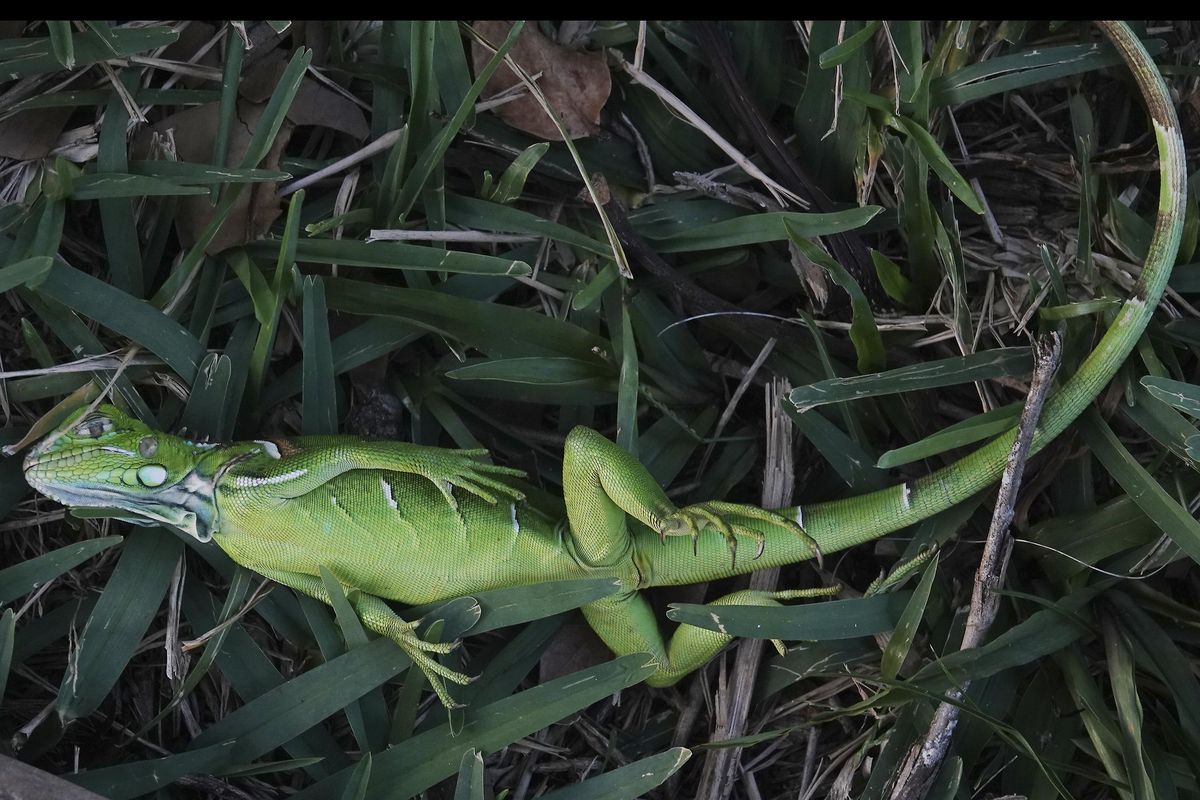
[602, 484]
[627, 625]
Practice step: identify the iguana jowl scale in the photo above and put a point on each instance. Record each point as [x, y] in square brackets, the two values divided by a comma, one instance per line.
[419, 524]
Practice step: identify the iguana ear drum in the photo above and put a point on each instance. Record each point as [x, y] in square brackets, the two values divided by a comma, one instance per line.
[152, 475]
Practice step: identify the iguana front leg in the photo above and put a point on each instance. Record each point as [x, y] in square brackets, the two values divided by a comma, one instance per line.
[316, 462]
[378, 617]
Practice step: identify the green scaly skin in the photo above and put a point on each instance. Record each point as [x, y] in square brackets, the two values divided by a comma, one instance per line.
[416, 524]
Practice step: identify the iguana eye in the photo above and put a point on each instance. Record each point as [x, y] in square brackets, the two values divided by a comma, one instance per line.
[94, 427]
[147, 446]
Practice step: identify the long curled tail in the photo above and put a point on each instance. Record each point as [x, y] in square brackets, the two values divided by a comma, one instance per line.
[844, 523]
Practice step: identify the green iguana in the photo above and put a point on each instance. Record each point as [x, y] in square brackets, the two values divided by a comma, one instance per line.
[418, 524]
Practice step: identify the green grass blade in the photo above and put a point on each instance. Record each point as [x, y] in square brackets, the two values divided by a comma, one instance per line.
[360, 778]
[628, 782]
[868, 344]
[539, 370]
[832, 619]
[268, 317]
[1025, 68]
[23, 578]
[128, 316]
[435, 151]
[900, 643]
[840, 53]
[208, 403]
[369, 720]
[503, 607]
[393, 255]
[485, 215]
[34, 56]
[1146, 491]
[116, 210]
[26, 272]
[283, 713]
[118, 185]
[498, 330]
[116, 626]
[127, 781]
[976, 429]
[512, 182]
[1183, 396]
[62, 42]
[1171, 662]
[231, 75]
[938, 161]
[320, 398]
[773, 226]
[8, 632]
[1044, 632]
[505, 671]
[434, 755]
[187, 173]
[1121, 677]
[849, 460]
[928, 375]
[470, 776]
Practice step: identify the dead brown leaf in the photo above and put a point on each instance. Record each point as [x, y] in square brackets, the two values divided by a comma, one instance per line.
[32, 134]
[194, 36]
[576, 646]
[315, 103]
[194, 130]
[11, 28]
[576, 83]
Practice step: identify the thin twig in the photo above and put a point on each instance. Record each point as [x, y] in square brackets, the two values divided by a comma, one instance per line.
[925, 757]
[379, 145]
[472, 237]
[723, 764]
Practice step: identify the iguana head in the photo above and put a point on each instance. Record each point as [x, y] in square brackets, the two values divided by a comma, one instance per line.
[107, 459]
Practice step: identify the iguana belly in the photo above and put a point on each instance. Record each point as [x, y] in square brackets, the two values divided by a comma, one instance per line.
[394, 535]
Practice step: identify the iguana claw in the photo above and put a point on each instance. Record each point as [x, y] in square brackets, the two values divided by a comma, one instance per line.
[689, 521]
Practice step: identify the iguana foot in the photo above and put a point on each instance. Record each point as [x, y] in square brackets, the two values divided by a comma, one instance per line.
[690, 521]
[437, 673]
[468, 470]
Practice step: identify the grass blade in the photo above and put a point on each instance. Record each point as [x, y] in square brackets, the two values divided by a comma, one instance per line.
[628, 782]
[320, 397]
[928, 375]
[117, 624]
[393, 255]
[1184, 396]
[431, 756]
[832, 619]
[23, 578]
[1146, 491]
[470, 776]
[868, 344]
